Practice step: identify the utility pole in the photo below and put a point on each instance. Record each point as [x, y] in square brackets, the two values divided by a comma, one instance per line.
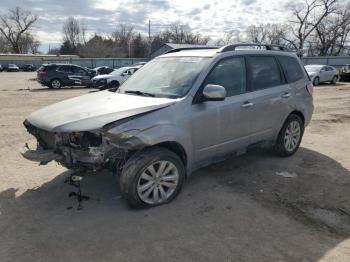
[149, 38]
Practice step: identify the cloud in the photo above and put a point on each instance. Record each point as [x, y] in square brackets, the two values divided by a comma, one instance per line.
[207, 17]
[248, 2]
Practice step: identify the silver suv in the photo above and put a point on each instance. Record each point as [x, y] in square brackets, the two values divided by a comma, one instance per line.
[183, 110]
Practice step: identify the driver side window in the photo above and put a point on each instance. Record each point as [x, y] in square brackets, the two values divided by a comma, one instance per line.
[229, 73]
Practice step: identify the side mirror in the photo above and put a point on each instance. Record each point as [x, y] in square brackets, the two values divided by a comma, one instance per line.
[214, 92]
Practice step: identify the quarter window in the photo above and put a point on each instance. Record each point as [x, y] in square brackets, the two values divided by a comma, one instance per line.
[264, 72]
[229, 73]
[291, 68]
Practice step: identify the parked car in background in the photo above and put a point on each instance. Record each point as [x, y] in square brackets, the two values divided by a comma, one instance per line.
[1, 68]
[139, 64]
[28, 68]
[103, 70]
[183, 110]
[12, 68]
[322, 73]
[114, 79]
[345, 73]
[59, 75]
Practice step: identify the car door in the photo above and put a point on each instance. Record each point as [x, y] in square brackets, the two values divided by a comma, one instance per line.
[80, 76]
[63, 73]
[331, 72]
[219, 127]
[324, 75]
[269, 97]
[124, 76]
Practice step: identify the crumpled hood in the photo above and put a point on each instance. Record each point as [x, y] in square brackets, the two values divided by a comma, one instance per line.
[93, 111]
[101, 77]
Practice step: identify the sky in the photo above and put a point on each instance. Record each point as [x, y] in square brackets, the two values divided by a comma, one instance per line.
[208, 17]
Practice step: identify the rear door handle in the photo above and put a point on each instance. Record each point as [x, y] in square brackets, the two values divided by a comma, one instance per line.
[286, 95]
[247, 104]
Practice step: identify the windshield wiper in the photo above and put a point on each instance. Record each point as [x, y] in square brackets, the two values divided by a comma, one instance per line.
[137, 92]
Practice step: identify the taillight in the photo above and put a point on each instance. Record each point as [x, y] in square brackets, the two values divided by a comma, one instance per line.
[310, 88]
[41, 73]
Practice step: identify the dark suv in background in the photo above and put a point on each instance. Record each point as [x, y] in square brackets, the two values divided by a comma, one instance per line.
[59, 75]
[28, 68]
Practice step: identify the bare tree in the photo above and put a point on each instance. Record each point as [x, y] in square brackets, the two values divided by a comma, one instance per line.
[182, 34]
[16, 26]
[331, 34]
[267, 34]
[4, 45]
[307, 17]
[227, 38]
[123, 36]
[256, 34]
[72, 32]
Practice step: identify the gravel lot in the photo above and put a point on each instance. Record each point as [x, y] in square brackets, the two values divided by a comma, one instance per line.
[236, 210]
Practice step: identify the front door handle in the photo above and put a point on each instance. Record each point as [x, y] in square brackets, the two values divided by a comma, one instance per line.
[286, 95]
[247, 104]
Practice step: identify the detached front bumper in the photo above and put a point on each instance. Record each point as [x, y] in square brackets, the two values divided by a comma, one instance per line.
[42, 156]
[99, 84]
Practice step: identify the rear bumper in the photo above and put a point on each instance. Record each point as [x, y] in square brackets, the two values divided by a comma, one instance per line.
[43, 82]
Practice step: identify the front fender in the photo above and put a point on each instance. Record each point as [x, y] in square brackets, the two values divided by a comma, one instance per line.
[135, 139]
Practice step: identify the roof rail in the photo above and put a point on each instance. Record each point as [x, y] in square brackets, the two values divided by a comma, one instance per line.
[189, 48]
[267, 46]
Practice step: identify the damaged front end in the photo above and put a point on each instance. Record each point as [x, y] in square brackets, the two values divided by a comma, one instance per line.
[77, 150]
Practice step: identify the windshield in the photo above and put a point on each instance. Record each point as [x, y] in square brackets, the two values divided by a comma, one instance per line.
[313, 68]
[166, 77]
[117, 71]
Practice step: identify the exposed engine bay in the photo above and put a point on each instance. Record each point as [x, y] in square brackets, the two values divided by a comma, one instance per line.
[77, 150]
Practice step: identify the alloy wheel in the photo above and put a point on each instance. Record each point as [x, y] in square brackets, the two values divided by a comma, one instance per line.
[292, 136]
[56, 84]
[158, 182]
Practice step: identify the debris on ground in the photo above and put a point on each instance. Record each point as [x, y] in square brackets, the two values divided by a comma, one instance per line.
[287, 174]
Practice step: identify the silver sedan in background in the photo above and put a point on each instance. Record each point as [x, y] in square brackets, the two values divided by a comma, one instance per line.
[322, 73]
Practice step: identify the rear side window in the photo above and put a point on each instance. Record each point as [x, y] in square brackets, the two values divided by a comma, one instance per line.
[229, 73]
[264, 72]
[65, 69]
[46, 68]
[291, 68]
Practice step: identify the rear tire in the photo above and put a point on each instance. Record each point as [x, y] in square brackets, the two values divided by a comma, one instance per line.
[152, 177]
[55, 83]
[289, 138]
[316, 81]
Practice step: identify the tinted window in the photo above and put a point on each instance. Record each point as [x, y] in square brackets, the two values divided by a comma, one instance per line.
[264, 72]
[229, 73]
[291, 68]
[46, 68]
[65, 69]
[78, 70]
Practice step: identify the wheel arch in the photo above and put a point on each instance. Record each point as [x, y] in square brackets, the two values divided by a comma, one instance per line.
[298, 113]
[175, 147]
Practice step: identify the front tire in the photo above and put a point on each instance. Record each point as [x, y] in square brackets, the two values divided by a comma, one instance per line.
[114, 85]
[289, 138]
[316, 81]
[334, 80]
[152, 177]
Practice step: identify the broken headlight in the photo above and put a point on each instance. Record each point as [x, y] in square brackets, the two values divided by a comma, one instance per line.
[85, 140]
